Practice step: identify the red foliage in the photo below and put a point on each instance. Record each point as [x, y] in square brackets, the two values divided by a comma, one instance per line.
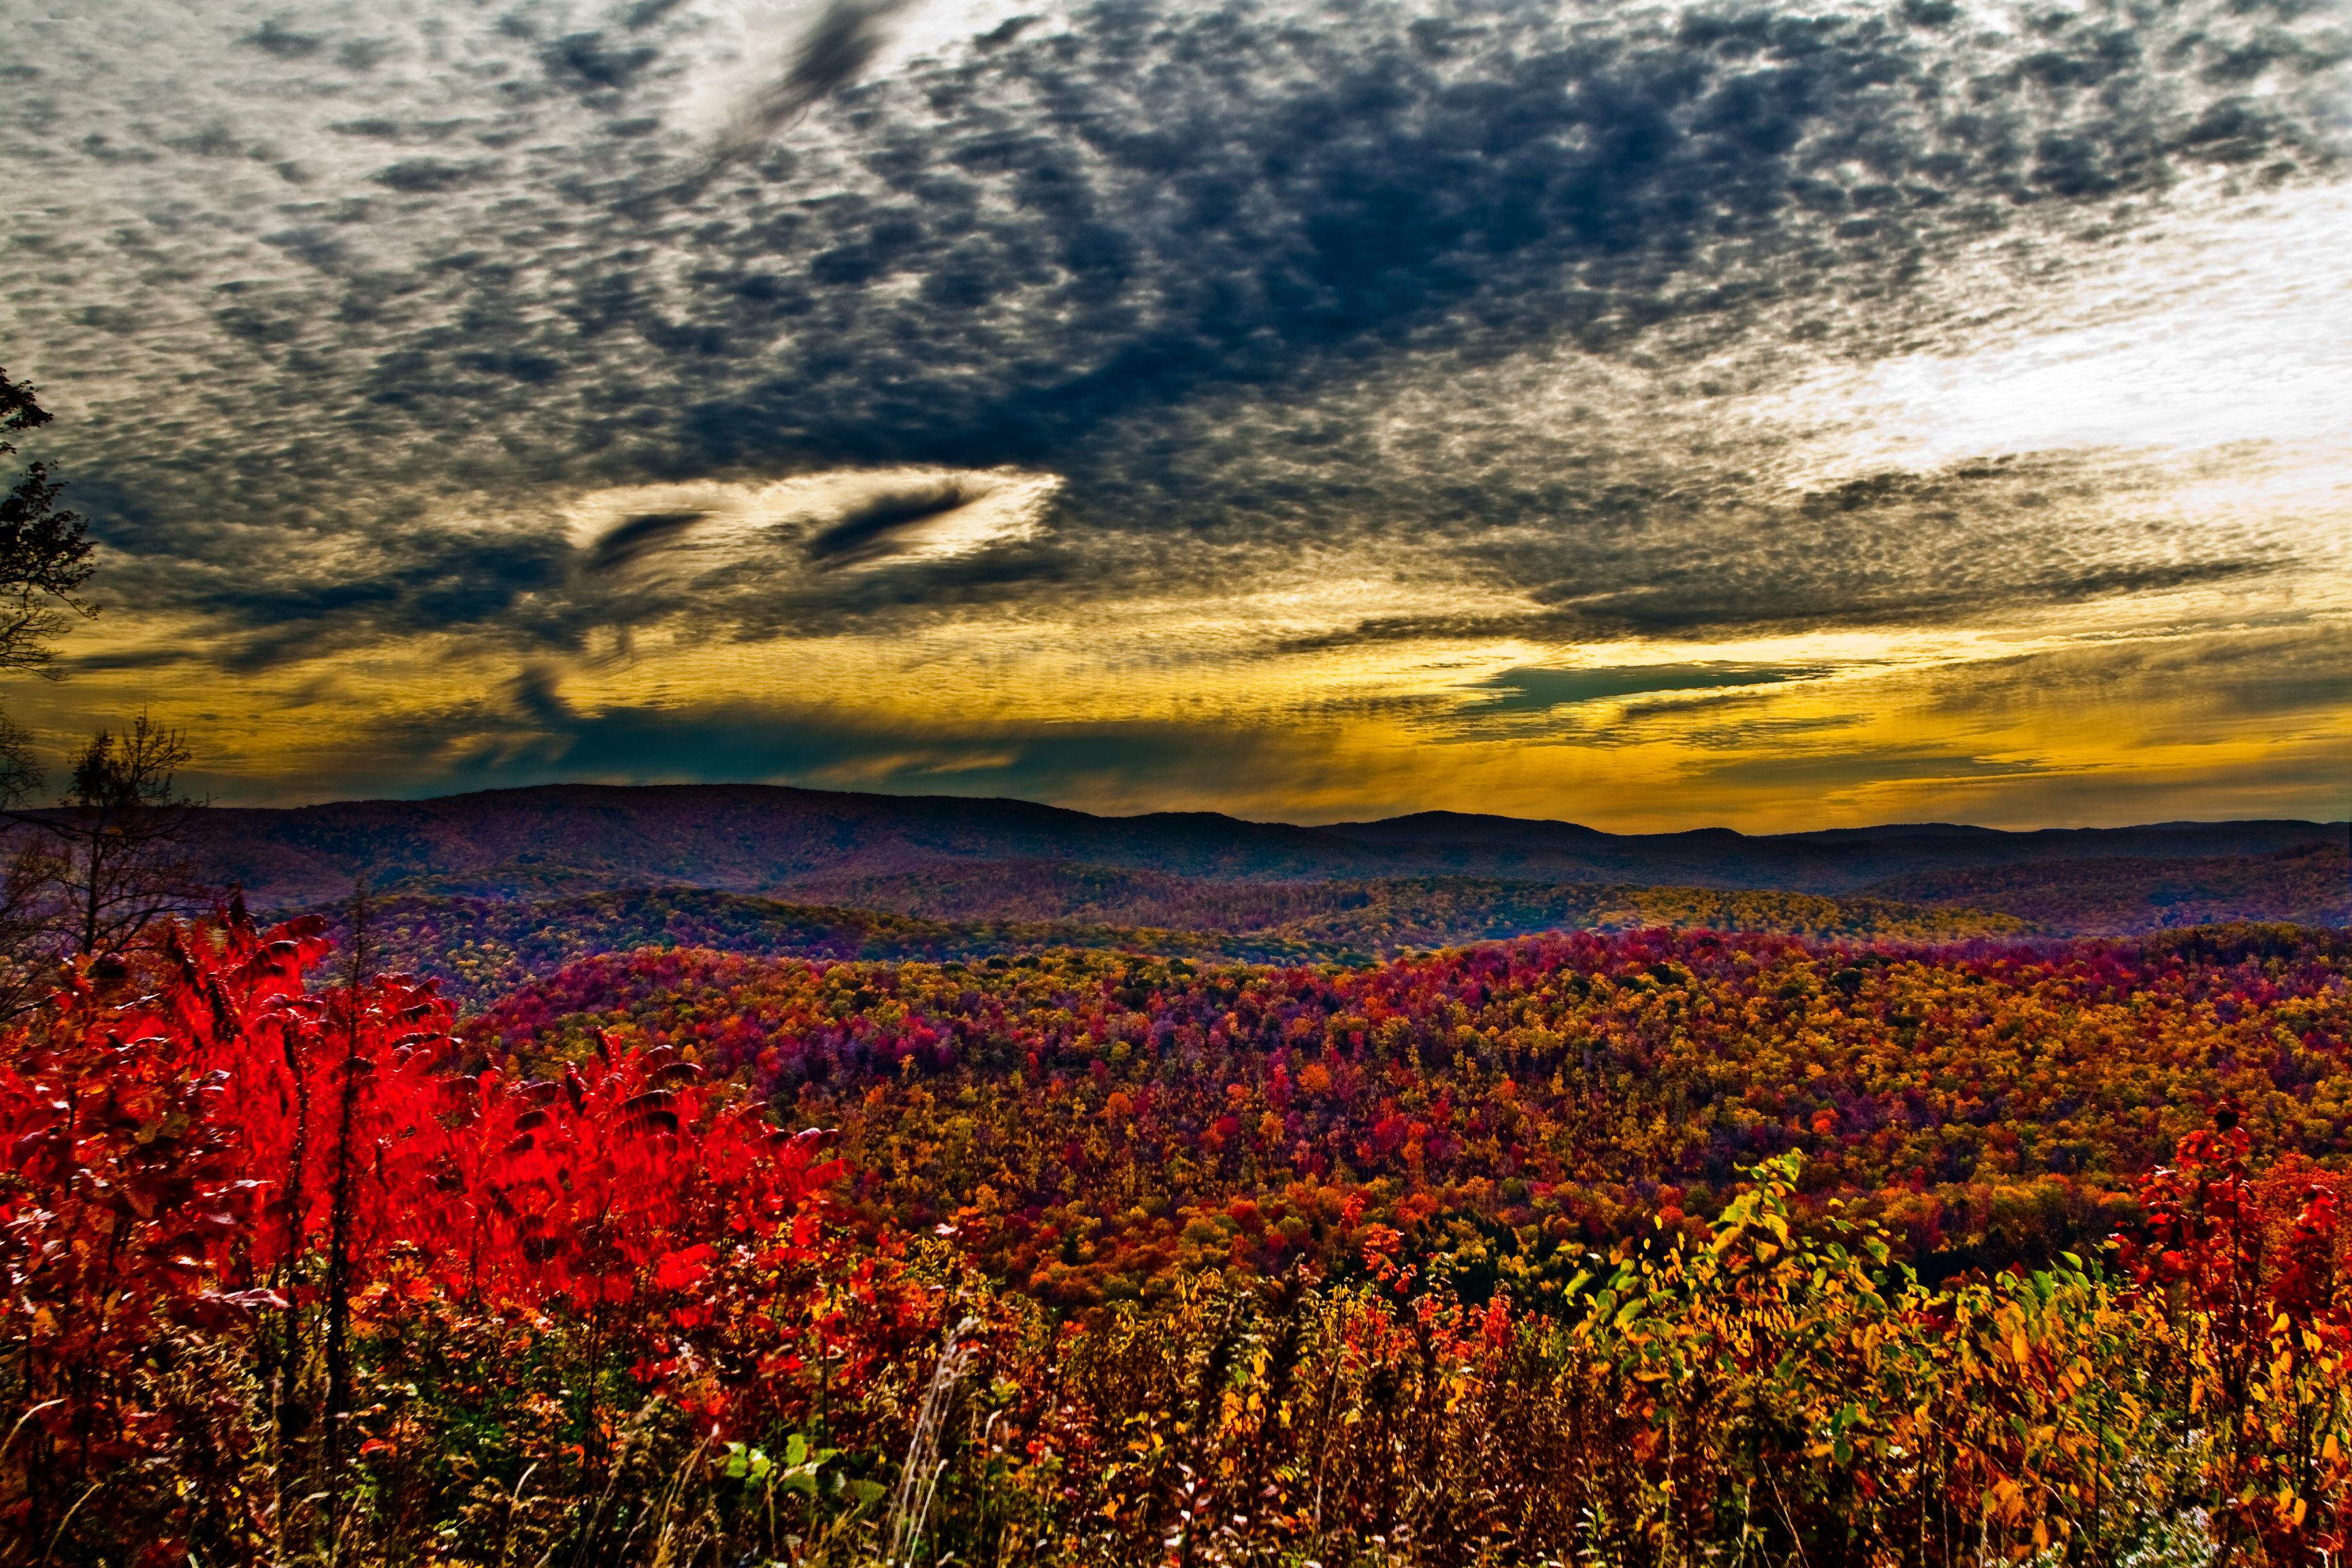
[129, 1199]
[166, 1160]
[2259, 1263]
[590, 1187]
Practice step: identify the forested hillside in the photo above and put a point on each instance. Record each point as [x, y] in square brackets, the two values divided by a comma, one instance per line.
[1063, 1190]
[1098, 1122]
[479, 948]
[2310, 884]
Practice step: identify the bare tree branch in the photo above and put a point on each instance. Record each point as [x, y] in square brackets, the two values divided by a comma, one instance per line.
[91, 876]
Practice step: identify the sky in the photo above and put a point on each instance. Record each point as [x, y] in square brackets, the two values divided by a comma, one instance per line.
[1653, 417]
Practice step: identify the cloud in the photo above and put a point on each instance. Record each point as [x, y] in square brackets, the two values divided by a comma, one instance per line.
[273, 37]
[805, 552]
[561, 330]
[366, 593]
[635, 538]
[417, 176]
[1213, 267]
[876, 525]
[831, 55]
[1533, 690]
[2290, 679]
[589, 63]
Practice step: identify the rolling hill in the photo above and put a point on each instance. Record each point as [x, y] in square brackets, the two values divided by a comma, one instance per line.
[948, 858]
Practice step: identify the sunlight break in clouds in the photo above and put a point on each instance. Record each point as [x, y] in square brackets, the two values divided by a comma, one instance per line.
[2232, 327]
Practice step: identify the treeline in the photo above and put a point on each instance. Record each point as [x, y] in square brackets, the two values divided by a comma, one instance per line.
[1379, 916]
[479, 949]
[2308, 885]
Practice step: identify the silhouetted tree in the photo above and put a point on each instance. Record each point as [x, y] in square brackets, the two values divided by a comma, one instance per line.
[93, 873]
[118, 856]
[44, 549]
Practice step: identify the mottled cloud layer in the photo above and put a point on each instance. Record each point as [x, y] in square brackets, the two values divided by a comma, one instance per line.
[571, 331]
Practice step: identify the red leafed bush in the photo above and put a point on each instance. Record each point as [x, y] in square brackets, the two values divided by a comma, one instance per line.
[587, 1187]
[130, 1206]
[2257, 1263]
[208, 1155]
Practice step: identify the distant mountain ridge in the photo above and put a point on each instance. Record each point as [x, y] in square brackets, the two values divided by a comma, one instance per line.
[564, 840]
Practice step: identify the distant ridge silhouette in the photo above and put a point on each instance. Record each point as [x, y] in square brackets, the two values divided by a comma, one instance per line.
[568, 839]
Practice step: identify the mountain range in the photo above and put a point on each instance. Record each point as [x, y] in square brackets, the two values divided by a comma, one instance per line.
[953, 858]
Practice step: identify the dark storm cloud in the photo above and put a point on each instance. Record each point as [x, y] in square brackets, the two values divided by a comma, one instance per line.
[376, 590]
[429, 584]
[1195, 262]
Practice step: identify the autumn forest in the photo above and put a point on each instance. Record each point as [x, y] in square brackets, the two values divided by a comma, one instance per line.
[1202, 784]
[1649, 1246]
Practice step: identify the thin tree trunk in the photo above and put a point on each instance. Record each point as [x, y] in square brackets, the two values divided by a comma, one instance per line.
[286, 1380]
[90, 892]
[339, 1230]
